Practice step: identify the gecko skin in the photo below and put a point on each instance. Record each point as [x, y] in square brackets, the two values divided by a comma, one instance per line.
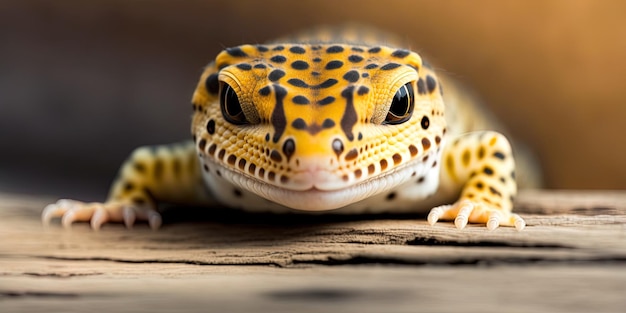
[326, 122]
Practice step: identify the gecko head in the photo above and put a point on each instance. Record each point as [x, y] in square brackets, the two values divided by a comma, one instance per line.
[318, 126]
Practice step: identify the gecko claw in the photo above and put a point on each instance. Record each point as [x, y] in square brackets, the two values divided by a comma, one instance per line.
[154, 220]
[129, 216]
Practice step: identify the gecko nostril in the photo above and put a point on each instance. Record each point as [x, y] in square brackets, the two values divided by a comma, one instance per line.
[289, 148]
[337, 146]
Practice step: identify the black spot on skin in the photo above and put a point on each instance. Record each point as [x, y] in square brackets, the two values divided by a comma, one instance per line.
[236, 52]
[265, 91]
[362, 90]
[355, 58]
[425, 143]
[383, 164]
[352, 76]
[337, 146]
[499, 155]
[297, 50]
[360, 136]
[371, 66]
[333, 65]
[316, 73]
[413, 150]
[481, 152]
[397, 158]
[275, 156]
[212, 149]
[251, 168]
[279, 48]
[276, 75]
[421, 88]
[210, 127]
[139, 167]
[374, 50]
[351, 155]
[278, 119]
[298, 124]
[358, 173]
[261, 48]
[357, 49]
[242, 164]
[271, 176]
[317, 60]
[389, 66]
[327, 100]
[278, 59]
[371, 169]
[401, 53]
[365, 75]
[206, 168]
[298, 83]
[300, 100]
[431, 84]
[328, 123]
[202, 144]
[218, 173]
[421, 180]
[299, 65]
[289, 148]
[128, 186]
[334, 49]
[212, 84]
[237, 193]
[349, 118]
[231, 159]
[425, 122]
[244, 66]
[328, 83]
[267, 137]
[284, 179]
[494, 191]
[391, 196]
[488, 170]
[261, 66]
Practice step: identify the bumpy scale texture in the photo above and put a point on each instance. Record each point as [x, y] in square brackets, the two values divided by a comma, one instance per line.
[333, 122]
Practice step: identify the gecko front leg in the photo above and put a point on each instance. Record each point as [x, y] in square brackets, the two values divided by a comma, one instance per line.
[151, 175]
[480, 165]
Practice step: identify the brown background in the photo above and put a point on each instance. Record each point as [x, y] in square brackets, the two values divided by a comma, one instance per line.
[83, 82]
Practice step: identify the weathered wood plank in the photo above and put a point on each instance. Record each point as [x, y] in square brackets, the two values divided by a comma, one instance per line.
[566, 251]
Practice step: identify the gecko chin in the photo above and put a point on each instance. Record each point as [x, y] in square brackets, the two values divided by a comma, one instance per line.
[316, 196]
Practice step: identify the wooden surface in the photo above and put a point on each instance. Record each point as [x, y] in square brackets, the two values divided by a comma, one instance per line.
[570, 258]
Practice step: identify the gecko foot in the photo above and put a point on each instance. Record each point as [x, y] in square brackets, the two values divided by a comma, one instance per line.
[468, 211]
[97, 214]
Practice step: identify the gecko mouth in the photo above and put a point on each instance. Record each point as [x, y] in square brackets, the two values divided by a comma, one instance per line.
[314, 198]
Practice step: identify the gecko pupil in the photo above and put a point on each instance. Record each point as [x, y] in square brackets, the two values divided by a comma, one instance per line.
[401, 107]
[231, 108]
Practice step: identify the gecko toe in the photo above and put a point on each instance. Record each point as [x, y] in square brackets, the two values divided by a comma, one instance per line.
[129, 216]
[519, 222]
[99, 217]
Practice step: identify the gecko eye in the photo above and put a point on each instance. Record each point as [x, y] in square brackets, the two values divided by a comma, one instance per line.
[401, 107]
[231, 108]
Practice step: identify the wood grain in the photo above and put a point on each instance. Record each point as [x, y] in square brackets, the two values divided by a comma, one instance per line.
[570, 258]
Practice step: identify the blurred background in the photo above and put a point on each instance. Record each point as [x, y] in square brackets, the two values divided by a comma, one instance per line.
[84, 82]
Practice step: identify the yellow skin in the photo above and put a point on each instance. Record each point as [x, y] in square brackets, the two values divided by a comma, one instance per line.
[346, 128]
